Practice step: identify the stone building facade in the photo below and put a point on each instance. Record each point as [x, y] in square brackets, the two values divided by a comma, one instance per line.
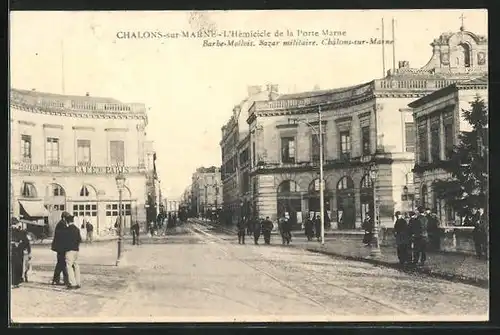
[66, 152]
[206, 188]
[236, 156]
[439, 121]
[362, 125]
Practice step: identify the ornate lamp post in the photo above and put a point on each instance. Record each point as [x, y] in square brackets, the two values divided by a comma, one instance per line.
[373, 173]
[120, 184]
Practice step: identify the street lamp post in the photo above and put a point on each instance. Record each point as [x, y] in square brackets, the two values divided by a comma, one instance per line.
[375, 251]
[319, 133]
[120, 184]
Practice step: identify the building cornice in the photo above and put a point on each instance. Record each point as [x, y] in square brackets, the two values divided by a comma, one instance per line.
[287, 125]
[78, 114]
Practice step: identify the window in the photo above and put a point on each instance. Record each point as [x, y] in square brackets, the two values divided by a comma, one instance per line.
[112, 209]
[28, 190]
[422, 141]
[84, 191]
[254, 154]
[410, 137]
[246, 182]
[288, 150]
[83, 152]
[52, 151]
[85, 209]
[57, 190]
[424, 196]
[26, 148]
[435, 140]
[315, 147]
[365, 140]
[448, 134]
[116, 152]
[345, 144]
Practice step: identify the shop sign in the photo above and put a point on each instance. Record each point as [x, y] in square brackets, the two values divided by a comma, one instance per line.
[101, 169]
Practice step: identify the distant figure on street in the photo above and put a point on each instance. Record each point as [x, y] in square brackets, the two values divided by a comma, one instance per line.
[267, 228]
[368, 226]
[317, 227]
[477, 220]
[401, 232]
[72, 243]
[58, 245]
[242, 227]
[309, 229]
[19, 243]
[257, 228]
[418, 228]
[135, 233]
[90, 230]
[285, 230]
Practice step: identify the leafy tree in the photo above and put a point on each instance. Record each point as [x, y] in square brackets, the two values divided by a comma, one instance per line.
[468, 164]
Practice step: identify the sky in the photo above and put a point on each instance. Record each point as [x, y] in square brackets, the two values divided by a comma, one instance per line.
[190, 90]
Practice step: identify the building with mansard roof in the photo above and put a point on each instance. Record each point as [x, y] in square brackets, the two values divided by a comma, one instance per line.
[66, 152]
[206, 190]
[362, 125]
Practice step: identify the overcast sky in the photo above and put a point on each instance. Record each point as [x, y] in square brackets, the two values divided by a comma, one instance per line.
[190, 90]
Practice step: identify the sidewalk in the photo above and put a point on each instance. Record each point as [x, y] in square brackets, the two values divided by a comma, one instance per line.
[104, 238]
[450, 266]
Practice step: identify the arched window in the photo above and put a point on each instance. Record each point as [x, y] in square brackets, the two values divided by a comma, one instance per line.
[465, 49]
[57, 190]
[28, 190]
[315, 185]
[345, 183]
[424, 196]
[84, 191]
[288, 186]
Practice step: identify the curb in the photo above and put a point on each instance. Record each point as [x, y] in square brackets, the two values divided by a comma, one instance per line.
[482, 283]
[49, 242]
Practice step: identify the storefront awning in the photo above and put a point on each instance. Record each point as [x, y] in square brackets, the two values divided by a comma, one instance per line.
[33, 222]
[34, 208]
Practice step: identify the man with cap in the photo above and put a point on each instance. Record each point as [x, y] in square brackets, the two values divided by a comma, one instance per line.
[419, 235]
[402, 238]
[72, 245]
[19, 242]
[58, 245]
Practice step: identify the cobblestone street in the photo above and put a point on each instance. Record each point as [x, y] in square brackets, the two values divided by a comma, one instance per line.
[196, 274]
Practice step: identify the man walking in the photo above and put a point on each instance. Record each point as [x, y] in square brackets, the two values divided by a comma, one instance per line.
[241, 230]
[135, 233]
[267, 227]
[72, 242]
[402, 238]
[432, 230]
[90, 230]
[317, 227]
[257, 228]
[19, 243]
[58, 245]
[368, 226]
[418, 228]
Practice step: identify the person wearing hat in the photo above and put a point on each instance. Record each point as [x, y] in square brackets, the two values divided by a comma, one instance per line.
[402, 238]
[72, 245]
[58, 245]
[19, 242]
[419, 235]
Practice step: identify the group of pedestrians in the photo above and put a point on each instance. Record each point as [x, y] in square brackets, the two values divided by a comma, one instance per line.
[312, 228]
[256, 227]
[20, 252]
[66, 244]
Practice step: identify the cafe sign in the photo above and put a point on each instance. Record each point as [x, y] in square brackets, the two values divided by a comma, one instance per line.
[20, 166]
[101, 169]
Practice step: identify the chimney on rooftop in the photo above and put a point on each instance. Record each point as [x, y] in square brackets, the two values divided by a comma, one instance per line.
[87, 94]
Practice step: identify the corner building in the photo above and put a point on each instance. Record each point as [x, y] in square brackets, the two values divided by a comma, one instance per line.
[364, 124]
[66, 152]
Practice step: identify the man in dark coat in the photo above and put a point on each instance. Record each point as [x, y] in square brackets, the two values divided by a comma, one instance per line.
[418, 228]
[368, 226]
[309, 229]
[242, 227]
[267, 228]
[477, 221]
[19, 243]
[317, 227]
[402, 238]
[135, 233]
[257, 228]
[90, 231]
[59, 248]
[432, 230]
